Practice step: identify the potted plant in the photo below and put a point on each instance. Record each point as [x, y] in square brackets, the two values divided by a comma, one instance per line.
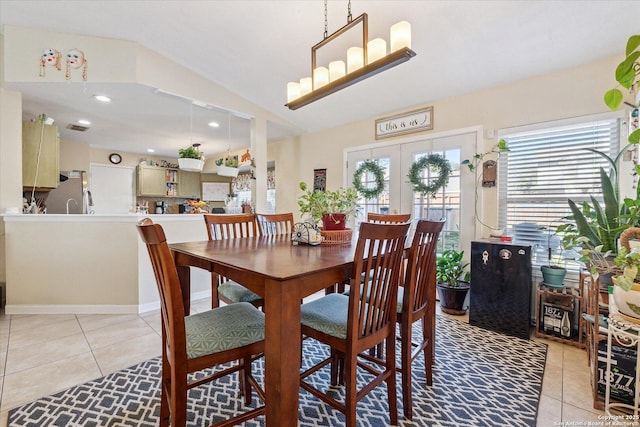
[627, 76]
[626, 289]
[553, 273]
[333, 208]
[452, 280]
[190, 158]
[594, 228]
[228, 166]
[475, 165]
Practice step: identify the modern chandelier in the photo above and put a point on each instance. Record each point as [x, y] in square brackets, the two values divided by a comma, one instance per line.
[362, 62]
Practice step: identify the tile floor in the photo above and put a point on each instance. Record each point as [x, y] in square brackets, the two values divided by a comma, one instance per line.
[64, 350]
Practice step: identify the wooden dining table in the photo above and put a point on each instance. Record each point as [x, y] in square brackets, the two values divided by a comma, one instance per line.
[282, 273]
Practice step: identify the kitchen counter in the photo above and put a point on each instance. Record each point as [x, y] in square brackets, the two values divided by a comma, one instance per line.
[88, 263]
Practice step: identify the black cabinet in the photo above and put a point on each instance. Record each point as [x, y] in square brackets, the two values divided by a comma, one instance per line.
[500, 294]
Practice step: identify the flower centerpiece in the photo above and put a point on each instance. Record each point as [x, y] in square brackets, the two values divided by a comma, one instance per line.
[333, 208]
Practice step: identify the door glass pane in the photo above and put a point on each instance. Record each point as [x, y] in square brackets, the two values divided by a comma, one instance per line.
[445, 204]
[379, 204]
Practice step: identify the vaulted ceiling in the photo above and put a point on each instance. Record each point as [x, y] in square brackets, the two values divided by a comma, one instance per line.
[253, 48]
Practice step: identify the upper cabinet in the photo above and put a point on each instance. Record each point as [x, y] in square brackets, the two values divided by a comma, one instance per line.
[40, 155]
[189, 184]
[154, 181]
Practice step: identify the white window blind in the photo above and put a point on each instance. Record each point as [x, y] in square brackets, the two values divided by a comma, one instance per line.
[546, 167]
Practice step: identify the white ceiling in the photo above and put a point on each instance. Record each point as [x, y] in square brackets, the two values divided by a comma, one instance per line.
[254, 48]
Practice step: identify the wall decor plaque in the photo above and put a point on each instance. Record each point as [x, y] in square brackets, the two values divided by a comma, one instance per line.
[401, 124]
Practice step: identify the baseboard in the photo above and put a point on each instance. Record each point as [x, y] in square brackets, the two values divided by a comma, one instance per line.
[145, 308]
[92, 309]
[70, 309]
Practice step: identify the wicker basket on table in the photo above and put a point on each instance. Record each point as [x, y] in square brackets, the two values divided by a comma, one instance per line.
[336, 237]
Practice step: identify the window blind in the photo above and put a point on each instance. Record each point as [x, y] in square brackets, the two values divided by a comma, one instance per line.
[546, 167]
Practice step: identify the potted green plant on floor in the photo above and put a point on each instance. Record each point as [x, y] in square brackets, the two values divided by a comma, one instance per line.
[452, 278]
[332, 207]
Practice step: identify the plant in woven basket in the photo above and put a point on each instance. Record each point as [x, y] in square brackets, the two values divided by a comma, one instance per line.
[626, 289]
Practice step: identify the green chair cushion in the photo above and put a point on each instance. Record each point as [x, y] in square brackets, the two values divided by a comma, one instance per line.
[236, 292]
[224, 328]
[327, 314]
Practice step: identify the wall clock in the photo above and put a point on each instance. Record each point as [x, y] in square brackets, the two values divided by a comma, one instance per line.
[115, 158]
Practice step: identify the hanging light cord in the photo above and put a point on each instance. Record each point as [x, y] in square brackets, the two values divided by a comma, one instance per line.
[349, 17]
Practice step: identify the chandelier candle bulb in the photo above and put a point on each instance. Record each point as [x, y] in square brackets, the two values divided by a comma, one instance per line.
[376, 49]
[337, 69]
[355, 59]
[306, 85]
[400, 35]
[320, 77]
[293, 91]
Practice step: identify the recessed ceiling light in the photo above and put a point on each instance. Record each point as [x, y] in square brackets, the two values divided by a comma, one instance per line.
[150, 150]
[102, 98]
[84, 122]
[214, 124]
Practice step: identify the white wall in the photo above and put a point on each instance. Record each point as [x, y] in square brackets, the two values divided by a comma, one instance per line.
[563, 94]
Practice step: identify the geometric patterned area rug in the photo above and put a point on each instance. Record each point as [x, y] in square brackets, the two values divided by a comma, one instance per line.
[480, 378]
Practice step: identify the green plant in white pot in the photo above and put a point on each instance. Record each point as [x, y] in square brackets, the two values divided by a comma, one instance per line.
[626, 289]
[190, 158]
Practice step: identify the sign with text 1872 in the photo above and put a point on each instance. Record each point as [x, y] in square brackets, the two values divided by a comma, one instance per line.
[409, 122]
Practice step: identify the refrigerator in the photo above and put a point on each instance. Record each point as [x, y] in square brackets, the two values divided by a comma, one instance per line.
[501, 287]
[71, 196]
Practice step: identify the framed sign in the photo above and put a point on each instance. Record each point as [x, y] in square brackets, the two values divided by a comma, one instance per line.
[320, 179]
[412, 121]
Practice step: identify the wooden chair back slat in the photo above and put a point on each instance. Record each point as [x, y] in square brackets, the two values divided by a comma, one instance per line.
[271, 224]
[223, 226]
[171, 305]
[420, 278]
[379, 254]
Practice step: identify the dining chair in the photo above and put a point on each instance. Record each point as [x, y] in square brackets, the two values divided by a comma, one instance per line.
[388, 218]
[349, 327]
[200, 341]
[220, 227]
[270, 224]
[416, 301]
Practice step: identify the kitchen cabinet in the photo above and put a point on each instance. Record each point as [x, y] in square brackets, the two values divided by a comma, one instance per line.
[189, 184]
[152, 181]
[40, 155]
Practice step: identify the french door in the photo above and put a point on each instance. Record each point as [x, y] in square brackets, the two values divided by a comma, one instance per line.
[455, 203]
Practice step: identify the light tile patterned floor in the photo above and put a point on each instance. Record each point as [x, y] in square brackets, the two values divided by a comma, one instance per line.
[64, 350]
